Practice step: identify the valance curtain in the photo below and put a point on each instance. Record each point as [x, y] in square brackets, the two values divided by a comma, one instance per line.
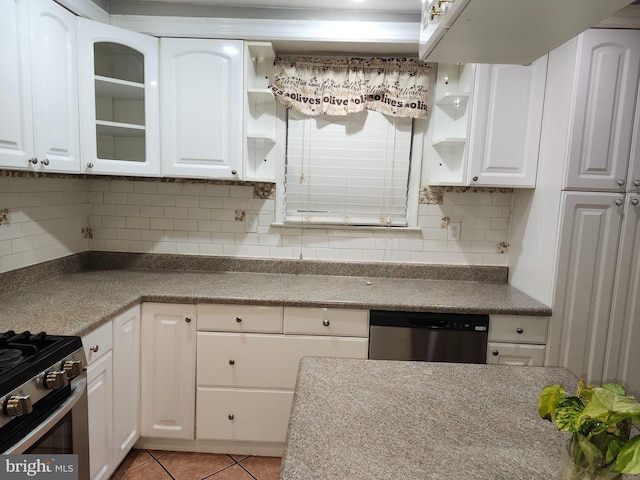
[315, 86]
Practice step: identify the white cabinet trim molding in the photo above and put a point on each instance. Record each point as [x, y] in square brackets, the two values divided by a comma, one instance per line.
[271, 29]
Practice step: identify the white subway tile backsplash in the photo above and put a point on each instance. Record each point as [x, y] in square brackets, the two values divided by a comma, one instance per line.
[187, 201]
[163, 200]
[48, 214]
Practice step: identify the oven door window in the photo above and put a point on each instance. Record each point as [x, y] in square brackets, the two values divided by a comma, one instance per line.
[58, 440]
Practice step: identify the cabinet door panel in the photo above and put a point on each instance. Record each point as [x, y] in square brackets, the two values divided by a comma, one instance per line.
[240, 318]
[518, 329]
[633, 176]
[168, 370]
[265, 361]
[119, 84]
[201, 99]
[16, 122]
[326, 321]
[590, 229]
[515, 354]
[623, 355]
[602, 117]
[100, 408]
[243, 415]
[126, 382]
[506, 124]
[54, 74]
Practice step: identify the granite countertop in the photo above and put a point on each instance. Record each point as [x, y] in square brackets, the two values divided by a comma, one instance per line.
[373, 419]
[76, 303]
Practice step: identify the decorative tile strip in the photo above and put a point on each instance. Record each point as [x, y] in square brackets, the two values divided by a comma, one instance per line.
[261, 190]
[430, 195]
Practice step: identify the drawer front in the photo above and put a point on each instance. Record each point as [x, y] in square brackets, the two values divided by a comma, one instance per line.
[242, 415]
[98, 342]
[239, 318]
[515, 354]
[518, 329]
[264, 361]
[326, 321]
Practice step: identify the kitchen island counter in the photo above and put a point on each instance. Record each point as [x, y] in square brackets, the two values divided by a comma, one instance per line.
[368, 419]
[76, 303]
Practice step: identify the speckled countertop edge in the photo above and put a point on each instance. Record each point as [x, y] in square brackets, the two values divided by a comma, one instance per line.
[364, 419]
[76, 303]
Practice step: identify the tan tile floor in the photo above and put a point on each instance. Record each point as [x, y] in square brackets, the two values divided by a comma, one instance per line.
[161, 465]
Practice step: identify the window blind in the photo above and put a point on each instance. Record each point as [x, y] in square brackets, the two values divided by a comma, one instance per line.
[347, 170]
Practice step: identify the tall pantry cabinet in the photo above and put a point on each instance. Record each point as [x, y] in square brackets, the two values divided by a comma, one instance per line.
[577, 235]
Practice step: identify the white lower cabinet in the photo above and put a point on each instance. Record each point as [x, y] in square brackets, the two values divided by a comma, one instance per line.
[99, 350]
[168, 370]
[517, 340]
[126, 383]
[113, 391]
[245, 380]
[243, 414]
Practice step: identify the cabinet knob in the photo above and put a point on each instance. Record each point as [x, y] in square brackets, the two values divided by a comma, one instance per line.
[519, 330]
[234, 172]
[89, 164]
[239, 319]
[232, 362]
[475, 179]
[187, 319]
[495, 353]
[94, 348]
[33, 160]
[621, 182]
[619, 202]
[635, 202]
[231, 416]
[45, 162]
[636, 183]
[326, 322]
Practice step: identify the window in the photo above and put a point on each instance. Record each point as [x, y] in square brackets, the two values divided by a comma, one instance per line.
[349, 170]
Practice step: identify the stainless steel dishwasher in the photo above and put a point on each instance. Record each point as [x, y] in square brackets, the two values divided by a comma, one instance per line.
[428, 337]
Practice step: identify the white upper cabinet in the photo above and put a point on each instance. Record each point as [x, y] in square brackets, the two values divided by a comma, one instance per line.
[633, 175]
[506, 123]
[119, 100]
[260, 148]
[41, 132]
[201, 97]
[486, 124]
[603, 109]
[16, 120]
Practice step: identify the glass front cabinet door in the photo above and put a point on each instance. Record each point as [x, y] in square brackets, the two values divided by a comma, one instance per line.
[119, 103]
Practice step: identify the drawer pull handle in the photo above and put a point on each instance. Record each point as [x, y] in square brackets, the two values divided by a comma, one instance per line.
[187, 319]
[326, 322]
[232, 362]
[239, 319]
[520, 331]
[495, 353]
[231, 416]
[94, 348]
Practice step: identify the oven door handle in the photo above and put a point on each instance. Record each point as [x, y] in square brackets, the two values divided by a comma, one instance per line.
[79, 391]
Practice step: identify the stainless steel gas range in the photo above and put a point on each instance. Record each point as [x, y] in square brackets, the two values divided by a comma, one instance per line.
[43, 396]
